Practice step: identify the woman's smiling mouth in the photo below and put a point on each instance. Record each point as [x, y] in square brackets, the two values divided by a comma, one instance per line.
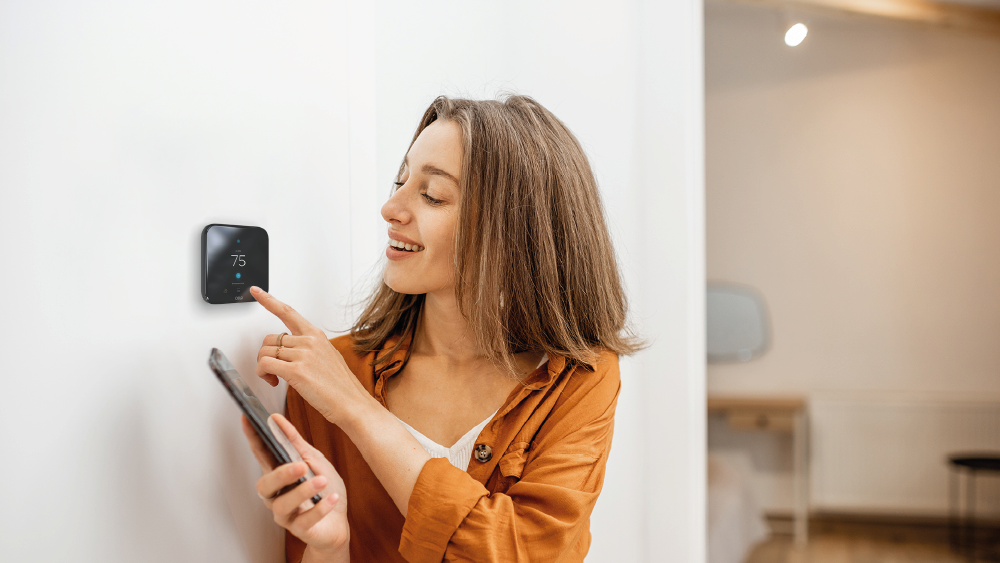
[399, 245]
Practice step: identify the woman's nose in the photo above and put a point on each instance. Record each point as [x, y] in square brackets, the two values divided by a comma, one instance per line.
[395, 210]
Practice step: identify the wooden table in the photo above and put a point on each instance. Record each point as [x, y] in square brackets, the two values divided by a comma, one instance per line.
[786, 415]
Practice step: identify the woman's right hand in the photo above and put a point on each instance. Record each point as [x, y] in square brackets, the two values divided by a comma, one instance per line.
[323, 527]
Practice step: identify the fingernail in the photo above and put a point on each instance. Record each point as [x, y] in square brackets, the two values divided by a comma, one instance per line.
[254, 289]
[319, 483]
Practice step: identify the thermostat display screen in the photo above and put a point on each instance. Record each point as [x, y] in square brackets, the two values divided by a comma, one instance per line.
[234, 259]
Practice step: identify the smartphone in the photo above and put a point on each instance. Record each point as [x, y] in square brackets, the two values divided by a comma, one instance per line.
[270, 433]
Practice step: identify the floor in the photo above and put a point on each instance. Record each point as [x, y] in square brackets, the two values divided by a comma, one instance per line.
[840, 548]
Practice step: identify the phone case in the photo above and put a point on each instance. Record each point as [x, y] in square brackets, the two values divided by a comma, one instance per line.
[270, 433]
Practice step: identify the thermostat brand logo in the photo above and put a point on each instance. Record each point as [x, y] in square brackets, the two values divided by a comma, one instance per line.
[239, 298]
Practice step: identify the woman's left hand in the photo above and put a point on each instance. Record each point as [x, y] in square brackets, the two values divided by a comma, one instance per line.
[308, 362]
[323, 527]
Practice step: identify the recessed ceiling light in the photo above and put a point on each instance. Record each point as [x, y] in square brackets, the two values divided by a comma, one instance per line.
[796, 34]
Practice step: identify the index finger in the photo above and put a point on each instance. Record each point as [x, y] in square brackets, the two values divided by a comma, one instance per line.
[290, 317]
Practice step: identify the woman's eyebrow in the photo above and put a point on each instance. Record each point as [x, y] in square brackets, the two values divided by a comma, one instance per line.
[432, 170]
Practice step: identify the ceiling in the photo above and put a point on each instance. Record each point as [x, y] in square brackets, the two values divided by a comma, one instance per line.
[975, 15]
[990, 4]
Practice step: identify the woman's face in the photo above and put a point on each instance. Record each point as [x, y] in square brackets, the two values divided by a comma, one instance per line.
[423, 213]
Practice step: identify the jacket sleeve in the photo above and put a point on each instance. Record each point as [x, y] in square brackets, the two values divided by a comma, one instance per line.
[540, 517]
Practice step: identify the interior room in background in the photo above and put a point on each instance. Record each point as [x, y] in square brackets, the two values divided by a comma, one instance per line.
[853, 181]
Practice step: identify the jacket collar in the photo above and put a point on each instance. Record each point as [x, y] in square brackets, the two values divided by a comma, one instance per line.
[543, 378]
[389, 368]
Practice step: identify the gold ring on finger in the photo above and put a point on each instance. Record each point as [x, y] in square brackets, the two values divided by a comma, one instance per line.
[277, 353]
[280, 336]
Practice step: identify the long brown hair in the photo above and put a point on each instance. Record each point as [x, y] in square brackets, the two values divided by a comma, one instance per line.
[535, 267]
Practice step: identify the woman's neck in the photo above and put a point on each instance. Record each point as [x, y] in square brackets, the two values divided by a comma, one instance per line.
[443, 332]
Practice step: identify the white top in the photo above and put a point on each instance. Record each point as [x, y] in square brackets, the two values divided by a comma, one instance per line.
[460, 453]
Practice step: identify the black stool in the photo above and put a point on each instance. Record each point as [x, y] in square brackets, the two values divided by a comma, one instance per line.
[966, 537]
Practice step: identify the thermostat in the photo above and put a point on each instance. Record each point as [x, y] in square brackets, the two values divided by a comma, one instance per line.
[233, 259]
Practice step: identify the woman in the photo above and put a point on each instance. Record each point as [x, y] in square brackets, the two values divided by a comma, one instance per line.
[470, 409]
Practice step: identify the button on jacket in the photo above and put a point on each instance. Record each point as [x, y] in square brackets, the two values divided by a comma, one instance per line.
[530, 487]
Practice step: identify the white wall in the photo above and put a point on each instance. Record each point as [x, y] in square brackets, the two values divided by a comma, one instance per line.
[853, 180]
[124, 129]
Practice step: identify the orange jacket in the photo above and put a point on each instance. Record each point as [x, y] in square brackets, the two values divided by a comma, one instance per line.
[531, 501]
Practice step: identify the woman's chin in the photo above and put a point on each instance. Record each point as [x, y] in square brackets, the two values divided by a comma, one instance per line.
[408, 292]
[401, 284]
[415, 284]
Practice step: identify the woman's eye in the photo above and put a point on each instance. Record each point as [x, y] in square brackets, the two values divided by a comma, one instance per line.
[432, 200]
